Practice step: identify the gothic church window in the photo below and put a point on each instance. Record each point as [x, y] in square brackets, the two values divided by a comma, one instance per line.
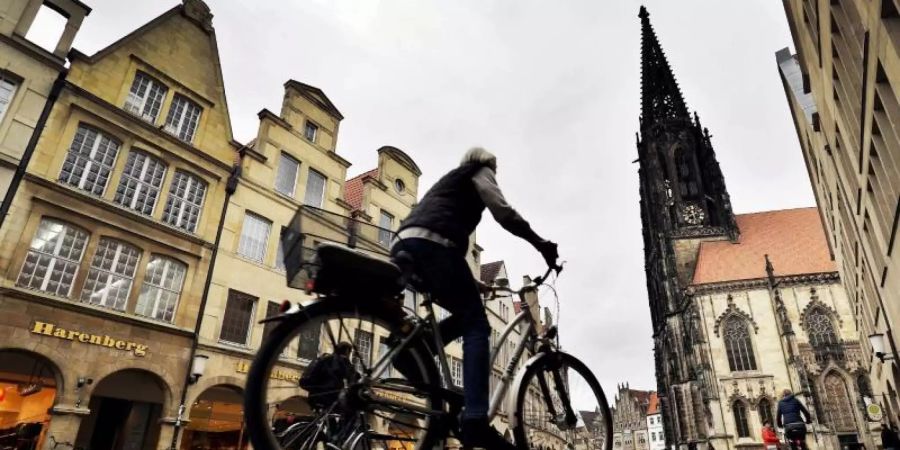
[819, 328]
[738, 347]
[687, 180]
[836, 403]
[765, 411]
[740, 418]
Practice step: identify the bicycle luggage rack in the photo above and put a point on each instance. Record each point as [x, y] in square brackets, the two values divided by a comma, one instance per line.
[312, 226]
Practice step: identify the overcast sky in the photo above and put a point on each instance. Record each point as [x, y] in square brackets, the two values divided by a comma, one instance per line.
[553, 88]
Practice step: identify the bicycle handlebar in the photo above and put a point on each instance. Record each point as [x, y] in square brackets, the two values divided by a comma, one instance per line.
[535, 283]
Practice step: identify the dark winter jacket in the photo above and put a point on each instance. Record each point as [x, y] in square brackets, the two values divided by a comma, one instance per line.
[790, 410]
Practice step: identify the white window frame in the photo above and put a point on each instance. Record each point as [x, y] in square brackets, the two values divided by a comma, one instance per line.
[283, 163]
[456, 371]
[148, 163]
[246, 247]
[306, 193]
[178, 219]
[55, 254]
[74, 157]
[169, 265]
[385, 230]
[121, 251]
[364, 348]
[7, 99]
[306, 131]
[181, 122]
[138, 105]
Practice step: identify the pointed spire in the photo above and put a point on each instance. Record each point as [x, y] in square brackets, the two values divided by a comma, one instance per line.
[660, 96]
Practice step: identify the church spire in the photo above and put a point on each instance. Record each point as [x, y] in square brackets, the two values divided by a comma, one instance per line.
[660, 96]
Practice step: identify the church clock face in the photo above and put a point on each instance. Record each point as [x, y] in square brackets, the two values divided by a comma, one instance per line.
[692, 214]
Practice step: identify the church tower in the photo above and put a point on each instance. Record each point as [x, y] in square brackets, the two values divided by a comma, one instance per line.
[683, 203]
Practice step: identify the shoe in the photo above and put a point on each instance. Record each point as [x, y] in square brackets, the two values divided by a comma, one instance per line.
[477, 433]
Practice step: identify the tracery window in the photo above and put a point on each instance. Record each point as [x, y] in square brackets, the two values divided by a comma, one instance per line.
[738, 346]
[740, 419]
[836, 404]
[819, 328]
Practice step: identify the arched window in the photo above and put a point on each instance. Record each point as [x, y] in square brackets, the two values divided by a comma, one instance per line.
[737, 344]
[765, 411]
[836, 404]
[740, 418]
[819, 328]
[684, 170]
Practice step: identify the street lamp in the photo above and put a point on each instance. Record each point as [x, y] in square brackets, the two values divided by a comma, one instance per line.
[877, 341]
[198, 367]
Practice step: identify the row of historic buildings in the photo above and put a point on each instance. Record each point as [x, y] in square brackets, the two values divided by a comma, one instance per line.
[745, 306]
[139, 246]
[637, 420]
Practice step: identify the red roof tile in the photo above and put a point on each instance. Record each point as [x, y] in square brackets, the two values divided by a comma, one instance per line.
[489, 271]
[353, 188]
[793, 238]
[653, 407]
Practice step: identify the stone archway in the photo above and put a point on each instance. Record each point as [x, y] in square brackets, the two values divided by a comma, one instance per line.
[30, 386]
[216, 419]
[125, 407]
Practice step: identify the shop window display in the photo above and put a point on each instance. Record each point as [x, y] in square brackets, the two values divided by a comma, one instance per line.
[27, 393]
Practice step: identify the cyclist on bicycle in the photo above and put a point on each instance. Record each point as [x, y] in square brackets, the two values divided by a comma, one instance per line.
[793, 417]
[436, 235]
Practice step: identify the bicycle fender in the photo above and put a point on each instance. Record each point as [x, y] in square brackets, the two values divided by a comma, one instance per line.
[512, 415]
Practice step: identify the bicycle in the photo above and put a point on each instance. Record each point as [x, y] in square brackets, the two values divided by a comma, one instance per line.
[359, 296]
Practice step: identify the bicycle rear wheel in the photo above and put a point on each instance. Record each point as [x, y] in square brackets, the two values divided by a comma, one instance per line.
[351, 412]
[560, 402]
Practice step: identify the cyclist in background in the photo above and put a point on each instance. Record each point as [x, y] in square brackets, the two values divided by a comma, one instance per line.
[793, 417]
[436, 235]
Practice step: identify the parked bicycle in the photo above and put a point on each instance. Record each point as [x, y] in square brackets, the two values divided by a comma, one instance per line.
[556, 401]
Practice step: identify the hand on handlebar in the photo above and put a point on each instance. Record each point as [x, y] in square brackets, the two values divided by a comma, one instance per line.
[550, 251]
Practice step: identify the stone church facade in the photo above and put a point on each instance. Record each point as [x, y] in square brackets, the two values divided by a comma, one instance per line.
[743, 306]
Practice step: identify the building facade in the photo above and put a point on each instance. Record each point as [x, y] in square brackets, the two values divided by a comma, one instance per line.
[843, 90]
[743, 306]
[629, 414]
[28, 73]
[655, 430]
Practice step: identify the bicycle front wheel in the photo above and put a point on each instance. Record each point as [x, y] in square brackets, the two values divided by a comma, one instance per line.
[379, 411]
[559, 404]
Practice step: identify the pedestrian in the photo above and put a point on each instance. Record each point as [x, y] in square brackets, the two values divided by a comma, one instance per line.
[889, 438]
[769, 437]
[793, 417]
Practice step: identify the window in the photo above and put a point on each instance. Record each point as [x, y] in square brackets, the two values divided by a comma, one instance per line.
[145, 97]
[310, 131]
[837, 405]
[456, 371]
[400, 186]
[185, 201]
[385, 225]
[765, 411]
[819, 328]
[286, 178]
[737, 344]
[383, 349]
[162, 287]
[254, 237]
[279, 255]
[108, 282]
[362, 358]
[140, 183]
[308, 347]
[90, 160]
[315, 189]
[53, 259]
[653, 436]
[183, 118]
[272, 309]
[740, 419]
[238, 317]
[7, 92]
[409, 300]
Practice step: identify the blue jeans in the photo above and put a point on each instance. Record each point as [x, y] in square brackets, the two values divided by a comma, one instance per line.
[449, 280]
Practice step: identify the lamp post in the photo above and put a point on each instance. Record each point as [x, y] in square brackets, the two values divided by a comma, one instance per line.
[198, 368]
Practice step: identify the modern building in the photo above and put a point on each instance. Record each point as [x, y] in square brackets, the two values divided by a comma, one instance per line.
[843, 90]
[743, 306]
[31, 67]
[629, 414]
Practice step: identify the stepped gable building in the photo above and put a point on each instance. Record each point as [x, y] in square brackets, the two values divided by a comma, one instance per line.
[743, 306]
[629, 413]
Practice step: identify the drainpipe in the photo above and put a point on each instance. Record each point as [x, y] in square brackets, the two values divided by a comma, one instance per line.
[230, 187]
[32, 144]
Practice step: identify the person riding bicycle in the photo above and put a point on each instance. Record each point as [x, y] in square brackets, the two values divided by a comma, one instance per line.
[793, 417]
[436, 236]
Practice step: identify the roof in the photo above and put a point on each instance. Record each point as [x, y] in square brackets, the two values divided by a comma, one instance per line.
[653, 407]
[793, 238]
[401, 157]
[315, 95]
[353, 188]
[643, 397]
[589, 417]
[489, 271]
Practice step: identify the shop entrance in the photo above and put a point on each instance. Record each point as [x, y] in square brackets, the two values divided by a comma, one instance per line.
[28, 384]
[125, 411]
[216, 420]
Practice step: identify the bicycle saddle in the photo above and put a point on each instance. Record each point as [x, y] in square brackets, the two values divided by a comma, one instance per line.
[342, 269]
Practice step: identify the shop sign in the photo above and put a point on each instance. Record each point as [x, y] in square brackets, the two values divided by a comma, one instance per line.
[277, 374]
[49, 329]
[873, 410]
